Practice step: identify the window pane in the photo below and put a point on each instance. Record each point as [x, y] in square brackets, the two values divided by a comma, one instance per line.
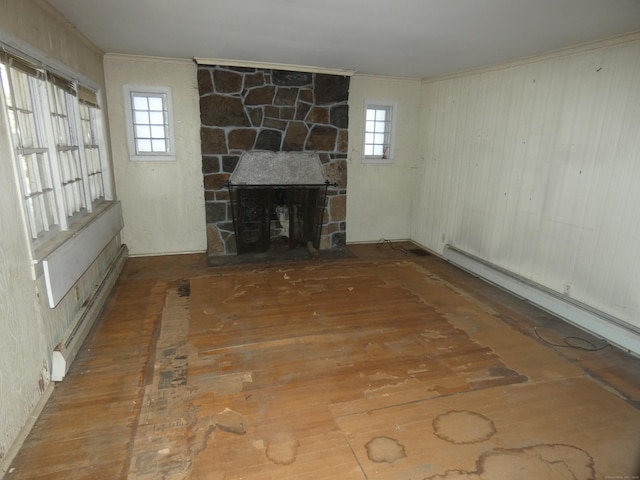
[140, 103]
[159, 145]
[93, 162]
[156, 103]
[370, 126]
[377, 150]
[96, 185]
[49, 201]
[27, 130]
[379, 138]
[156, 118]
[143, 131]
[381, 115]
[33, 208]
[141, 118]
[144, 145]
[371, 114]
[157, 132]
[368, 150]
[27, 181]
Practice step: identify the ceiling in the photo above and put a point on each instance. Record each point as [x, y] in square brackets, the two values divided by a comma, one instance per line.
[412, 38]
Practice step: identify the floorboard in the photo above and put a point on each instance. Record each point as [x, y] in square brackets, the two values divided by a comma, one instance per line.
[387, 363]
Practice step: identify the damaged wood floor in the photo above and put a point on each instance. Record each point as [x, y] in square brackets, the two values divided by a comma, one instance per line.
[388, 365]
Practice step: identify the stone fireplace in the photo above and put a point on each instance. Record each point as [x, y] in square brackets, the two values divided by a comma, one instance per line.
[262, 110]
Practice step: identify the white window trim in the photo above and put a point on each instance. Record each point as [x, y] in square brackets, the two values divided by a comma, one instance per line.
[170, 155]
[393, 106]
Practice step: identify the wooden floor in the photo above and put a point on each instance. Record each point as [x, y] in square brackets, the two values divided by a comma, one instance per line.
[386, 365]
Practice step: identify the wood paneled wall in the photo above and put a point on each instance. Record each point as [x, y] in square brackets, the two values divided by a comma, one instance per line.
[535, 167]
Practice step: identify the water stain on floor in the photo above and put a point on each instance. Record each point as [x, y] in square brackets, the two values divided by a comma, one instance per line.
[542, 462]
[282, 448]
[463, 427]
[385, 450]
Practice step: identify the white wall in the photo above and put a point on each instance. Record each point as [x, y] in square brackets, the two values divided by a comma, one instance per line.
[36, 24]
[23, 354]
[535, 168]
[162, 202]
[379, 199]
[30, 330]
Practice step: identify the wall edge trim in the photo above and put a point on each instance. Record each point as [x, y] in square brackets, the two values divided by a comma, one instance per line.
[596, 322]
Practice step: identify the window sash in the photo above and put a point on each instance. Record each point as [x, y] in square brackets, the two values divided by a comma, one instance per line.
[377, 143]
[378, 131]
[57, 152]
[149, 123]
[71, 163]
[90, 129]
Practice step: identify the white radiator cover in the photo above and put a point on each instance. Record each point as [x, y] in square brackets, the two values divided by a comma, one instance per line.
[598, 323]
[66, 264]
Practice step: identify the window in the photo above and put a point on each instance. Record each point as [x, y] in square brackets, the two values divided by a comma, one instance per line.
[91, 128]
[149, 123]
[379, 126]
[60, 167]
[63, 106]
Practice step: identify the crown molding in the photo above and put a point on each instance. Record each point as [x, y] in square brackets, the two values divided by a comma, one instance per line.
[274, 66]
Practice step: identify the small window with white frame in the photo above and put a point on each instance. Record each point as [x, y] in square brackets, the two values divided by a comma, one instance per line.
[379, 131]
[149, 123]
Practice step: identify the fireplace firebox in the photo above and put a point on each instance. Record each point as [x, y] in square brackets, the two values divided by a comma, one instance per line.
[277, 217]
[277, 201]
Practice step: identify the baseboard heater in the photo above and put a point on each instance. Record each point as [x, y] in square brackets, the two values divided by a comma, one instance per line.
[598, 323]
[67, 263]
[66, 350]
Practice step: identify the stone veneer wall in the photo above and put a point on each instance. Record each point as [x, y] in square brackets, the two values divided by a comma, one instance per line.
[244, 109]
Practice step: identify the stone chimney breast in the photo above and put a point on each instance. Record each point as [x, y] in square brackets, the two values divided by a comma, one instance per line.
[280, 120]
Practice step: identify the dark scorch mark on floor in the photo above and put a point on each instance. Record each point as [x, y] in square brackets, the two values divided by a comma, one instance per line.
[184, 287]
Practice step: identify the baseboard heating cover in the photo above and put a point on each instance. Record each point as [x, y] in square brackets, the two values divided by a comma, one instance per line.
[66, 351]
[598, 323]
[66, 264]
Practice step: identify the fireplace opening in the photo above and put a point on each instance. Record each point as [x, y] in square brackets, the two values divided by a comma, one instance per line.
[277, 218]
[277, 201]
